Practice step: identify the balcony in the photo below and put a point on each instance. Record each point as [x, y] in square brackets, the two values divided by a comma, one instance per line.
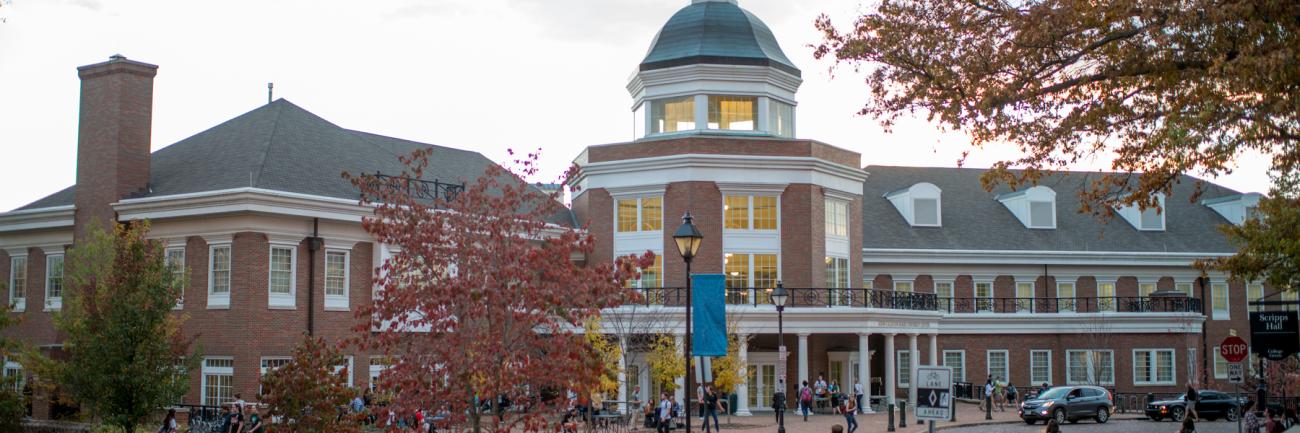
[909, 301]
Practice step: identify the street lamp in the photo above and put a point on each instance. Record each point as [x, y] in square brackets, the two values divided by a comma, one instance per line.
[779, 296]
[688, 240]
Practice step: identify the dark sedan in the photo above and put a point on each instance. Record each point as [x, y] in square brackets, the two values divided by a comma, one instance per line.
[1210, 406]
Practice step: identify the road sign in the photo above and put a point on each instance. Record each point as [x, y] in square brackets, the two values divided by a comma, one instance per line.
[1234, 372]
[934, 393]
[1274, 334]
[1233, 349]
[780, 367]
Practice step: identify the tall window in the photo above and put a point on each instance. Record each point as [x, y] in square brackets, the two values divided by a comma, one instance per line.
[672, 115]
[837, 272]
[336, 279]
[281, 276]
[1153, 367]
[640, 214]
[1219, 298]
[904, 368]
[1040, 367]
[1220, 364]
[54, 282]
[943, 290]
[837, 218]
[14, 371]
[18, 283]
[902, 286]
[1106, 296]
[984, 296]
[780, 118]
[377, 366]
[1024, 296]
[219, 276]
[737, 113]
[1255, 292]
[1185, 288]
[749, 271]
[651, 276]
[744, 212]
[176, 262]
[956, 359]
[1089, 367]
[270, 364]
[1065, 296]
[997, 364]
[1291, 296]
[1146, 289]
[218, 381]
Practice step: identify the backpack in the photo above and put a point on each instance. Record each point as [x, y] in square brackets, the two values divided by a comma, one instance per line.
[805, 395]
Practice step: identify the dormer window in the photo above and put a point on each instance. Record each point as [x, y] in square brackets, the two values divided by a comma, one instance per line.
[1150, 219]
[919, 204]
[1034, 207]
[1235, 208]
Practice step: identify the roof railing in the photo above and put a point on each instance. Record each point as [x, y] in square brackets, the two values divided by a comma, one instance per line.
[420, 189]
[896, 300]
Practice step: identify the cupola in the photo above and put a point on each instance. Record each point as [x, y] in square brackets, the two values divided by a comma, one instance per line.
[714, 68]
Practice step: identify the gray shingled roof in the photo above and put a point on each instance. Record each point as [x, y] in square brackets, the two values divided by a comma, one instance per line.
[282, 147]
[715, 33]
[974, 220]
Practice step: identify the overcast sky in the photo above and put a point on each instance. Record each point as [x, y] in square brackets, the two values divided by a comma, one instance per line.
[486, 75]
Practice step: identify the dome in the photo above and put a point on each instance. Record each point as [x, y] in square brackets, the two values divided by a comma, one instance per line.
[715, 32]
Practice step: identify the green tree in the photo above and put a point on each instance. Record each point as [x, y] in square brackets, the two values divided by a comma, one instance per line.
[1163, 87]
[12, 406]
[308, 393]
[126, 355]
[1270, 243]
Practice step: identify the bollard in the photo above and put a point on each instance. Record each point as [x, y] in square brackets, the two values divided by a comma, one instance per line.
[988, 407]
[902, 414]
[891, 417]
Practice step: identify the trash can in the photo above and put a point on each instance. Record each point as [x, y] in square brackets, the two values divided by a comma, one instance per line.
[731, 403]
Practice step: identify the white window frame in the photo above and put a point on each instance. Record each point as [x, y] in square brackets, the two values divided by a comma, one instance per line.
[833, 217]
[940, 293]
[975, 293]
[263, 369]
[1226, 312]
[1190, 286]
[1252, 296]
[180, 299]
[338, 302]
[910, 283]
[1032, 380]
[347, 363]
[837, 272]
[1006, 364]
[1074, 289]
[1029, 212]
[750, 276]
[1089, 368]
[639, 213]
[904, 368]
[220, 300]
[1155, 367]
[1033, 289]
[1155, 287]
[13, 368]
[1220, 364]
[962, 353]
[1109, 305]
[375, 369]
[18, 304]
[55, 303]
[282, 300]
[205, 370]
[749, 201]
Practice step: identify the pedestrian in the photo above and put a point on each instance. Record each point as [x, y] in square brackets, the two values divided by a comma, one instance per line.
[358, 405]
[835, 394]
[711, 408]
[1190, 397]
[227, 419]
[1000, 394]
[1189, 426]
[857, 394]
[986, 403]
[1052, 426]
[1012, 394]
[239, 403]
[665, 413]
[236, 420]
[819, 388]
[169, 423]
[850, 410]
[254, 420]
[1271, 422]
[1250, 420]
[805, 399]
[837, 428]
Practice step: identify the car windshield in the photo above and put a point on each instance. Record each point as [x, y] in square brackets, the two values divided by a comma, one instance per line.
[1054, 393]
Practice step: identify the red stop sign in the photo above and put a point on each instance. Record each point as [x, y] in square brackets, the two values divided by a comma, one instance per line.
[1233, 349]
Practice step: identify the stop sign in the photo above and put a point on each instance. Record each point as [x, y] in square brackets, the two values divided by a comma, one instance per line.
[1233, 349]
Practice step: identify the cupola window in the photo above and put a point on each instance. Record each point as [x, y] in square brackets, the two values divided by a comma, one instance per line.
[733, 113]
[672, 115]
[780, 118]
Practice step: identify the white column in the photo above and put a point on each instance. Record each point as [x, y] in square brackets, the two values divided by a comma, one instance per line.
[934, 350]
[803, 360]
[680, 393]
[864, 370]
[622, 373]
[912, 360]
[742, 388]
[889, 368]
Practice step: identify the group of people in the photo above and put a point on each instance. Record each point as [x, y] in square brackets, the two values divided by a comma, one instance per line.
[666, 414]
[822, 393]
[999, 394]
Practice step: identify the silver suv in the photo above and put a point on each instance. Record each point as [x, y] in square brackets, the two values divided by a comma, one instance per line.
[1068, 403]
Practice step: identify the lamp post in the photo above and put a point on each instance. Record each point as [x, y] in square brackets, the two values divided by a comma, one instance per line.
[688, 240]
[779, 296]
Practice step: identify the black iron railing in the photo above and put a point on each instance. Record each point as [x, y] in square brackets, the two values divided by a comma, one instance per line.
[203, 419]
[419, 188]
[889, 299]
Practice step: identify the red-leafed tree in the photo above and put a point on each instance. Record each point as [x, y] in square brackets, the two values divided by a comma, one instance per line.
[310, 393]
[480, 299]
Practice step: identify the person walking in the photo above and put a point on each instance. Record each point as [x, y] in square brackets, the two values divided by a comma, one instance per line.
[236, 420]
[169, 423]
[711, 407]
[665, 413]
[857, 394]
[850, 410]
[1012, 395]
[254, 420]
[805, 400]
[1191, 397]
[835, 394]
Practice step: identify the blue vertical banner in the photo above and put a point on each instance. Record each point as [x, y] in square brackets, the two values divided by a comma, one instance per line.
[709, 314]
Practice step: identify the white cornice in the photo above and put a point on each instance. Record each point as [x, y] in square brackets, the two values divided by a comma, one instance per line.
[723, 169]
[1071, 323]
[637, 190]
[35, 219]
[236, 200]
[1120, 258]
[714, 79]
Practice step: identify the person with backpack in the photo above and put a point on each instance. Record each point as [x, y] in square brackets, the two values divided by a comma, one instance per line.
[805, 400]
[169, 423]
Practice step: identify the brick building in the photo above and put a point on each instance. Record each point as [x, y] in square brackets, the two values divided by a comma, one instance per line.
[910, 265]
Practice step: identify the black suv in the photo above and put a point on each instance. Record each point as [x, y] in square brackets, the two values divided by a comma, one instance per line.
[1068, 403]
[1210, 405]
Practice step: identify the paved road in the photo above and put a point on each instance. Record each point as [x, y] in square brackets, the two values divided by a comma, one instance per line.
[1115, 426]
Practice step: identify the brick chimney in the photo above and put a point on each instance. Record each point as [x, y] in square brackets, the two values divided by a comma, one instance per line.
[113, 136]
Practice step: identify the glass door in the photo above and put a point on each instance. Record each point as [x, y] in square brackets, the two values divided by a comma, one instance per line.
[761, 379]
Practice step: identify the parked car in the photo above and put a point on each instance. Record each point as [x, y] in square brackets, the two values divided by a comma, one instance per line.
[1210, 405]
[1068, 403]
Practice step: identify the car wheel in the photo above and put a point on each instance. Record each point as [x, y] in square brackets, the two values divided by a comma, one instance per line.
[1030, 421]
[1059, 416]
[1231, 415]
[1103, 415]
[1176, 414]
